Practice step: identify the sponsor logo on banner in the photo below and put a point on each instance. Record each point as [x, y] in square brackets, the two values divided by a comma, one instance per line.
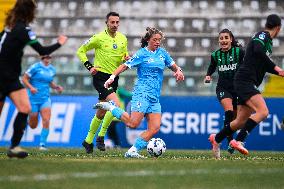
[62, 117]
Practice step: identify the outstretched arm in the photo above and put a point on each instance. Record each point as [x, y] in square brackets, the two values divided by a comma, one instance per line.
[118, 71]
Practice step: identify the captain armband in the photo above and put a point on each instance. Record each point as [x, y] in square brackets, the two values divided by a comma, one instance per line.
[88, 65]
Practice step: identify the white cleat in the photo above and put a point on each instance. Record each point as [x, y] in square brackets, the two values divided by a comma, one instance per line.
[108, 106]
[43, 148]
[133, 154]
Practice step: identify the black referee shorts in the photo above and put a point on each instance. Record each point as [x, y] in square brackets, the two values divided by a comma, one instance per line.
[8, 86]
[222, 93]
[99, 80]
[245, 90]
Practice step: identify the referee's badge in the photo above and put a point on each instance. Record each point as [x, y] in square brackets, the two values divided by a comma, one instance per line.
[114, 46]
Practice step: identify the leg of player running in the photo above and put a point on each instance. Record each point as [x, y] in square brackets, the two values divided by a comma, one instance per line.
[21, 100]
[154, 122]
[108, 117]
[227, 104]
[45, 115]
[257, 104]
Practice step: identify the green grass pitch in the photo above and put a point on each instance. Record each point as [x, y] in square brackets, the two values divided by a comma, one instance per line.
[72, 168]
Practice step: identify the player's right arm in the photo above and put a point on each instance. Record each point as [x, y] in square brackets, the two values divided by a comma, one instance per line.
[90, 44]
[211, 69]
[26, 81]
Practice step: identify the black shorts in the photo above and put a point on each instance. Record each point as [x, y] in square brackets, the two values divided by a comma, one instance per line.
[99, 80]
[222, 93]
[8, 86]
[245, 90]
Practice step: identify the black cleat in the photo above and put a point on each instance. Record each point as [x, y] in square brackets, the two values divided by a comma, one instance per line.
[88, 147]
[17, 152]
[100, 143]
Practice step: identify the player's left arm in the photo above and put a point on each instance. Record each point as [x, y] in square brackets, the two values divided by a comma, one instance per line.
[178, 74]
[56, 87]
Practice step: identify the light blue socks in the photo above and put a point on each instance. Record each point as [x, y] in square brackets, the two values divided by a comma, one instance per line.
[43, 136]
[140, 144]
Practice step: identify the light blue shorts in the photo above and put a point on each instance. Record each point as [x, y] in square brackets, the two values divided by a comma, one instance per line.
[145, 106]
[38, 106]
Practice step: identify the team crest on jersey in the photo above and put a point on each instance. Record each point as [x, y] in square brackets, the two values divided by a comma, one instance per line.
[231, 59]
[114, 46]
[261, 36]
[32, 35]
[162, 58]
[150, 60]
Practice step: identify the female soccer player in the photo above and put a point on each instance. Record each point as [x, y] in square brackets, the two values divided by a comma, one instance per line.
[38, 78]
[16, 35]
[228, 59]
[248, 77]
[150, 61]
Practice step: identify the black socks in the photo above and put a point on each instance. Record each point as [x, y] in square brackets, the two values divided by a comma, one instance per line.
[249, 126]
[229, 116]
[226, 131]
[20, 124]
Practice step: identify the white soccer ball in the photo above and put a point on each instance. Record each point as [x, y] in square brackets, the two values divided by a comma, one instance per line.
[156, 147]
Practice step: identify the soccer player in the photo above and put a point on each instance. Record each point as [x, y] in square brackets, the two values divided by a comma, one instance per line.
[110, 51]
[16, 35]
[248, 77]
[228, 59]
[38, 78]
[124, 97]
[150, 61]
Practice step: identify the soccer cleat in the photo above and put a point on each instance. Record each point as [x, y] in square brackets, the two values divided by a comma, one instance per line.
[230, 149]
[88, 147]
[100, 143]
[17, 152]
[108, 106]
[215, 146]
[133, 154]
[43, 148]
[239, 146]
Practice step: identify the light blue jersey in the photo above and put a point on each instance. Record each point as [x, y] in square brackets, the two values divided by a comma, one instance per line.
[40, 78]
[150, 66]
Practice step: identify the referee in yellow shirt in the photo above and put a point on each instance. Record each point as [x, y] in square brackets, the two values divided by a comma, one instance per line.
[110, 51]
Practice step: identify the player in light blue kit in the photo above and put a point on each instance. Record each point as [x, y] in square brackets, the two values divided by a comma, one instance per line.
[150, 61]
[38, 79]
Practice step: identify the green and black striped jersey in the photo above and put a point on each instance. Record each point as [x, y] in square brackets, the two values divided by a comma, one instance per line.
[227, 63]
[257, 59]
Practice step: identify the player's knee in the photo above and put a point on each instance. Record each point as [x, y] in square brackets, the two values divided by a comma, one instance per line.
[133, 124]
[33, 124]
[25, 108]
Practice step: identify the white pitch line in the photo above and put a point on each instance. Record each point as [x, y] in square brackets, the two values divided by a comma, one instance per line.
[99, 174]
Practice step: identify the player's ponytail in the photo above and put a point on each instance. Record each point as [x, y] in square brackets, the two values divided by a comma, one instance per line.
[149, 32]
[235, 43]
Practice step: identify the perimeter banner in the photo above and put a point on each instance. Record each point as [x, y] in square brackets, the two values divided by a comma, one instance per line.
[186, 124]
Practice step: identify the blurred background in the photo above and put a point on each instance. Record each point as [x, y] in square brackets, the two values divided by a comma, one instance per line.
[191, 29]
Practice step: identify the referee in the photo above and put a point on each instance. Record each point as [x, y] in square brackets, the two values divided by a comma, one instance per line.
[247, 80]
[16, 35]
[110, 51]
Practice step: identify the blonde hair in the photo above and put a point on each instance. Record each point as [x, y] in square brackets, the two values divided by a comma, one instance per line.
[149, 33]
